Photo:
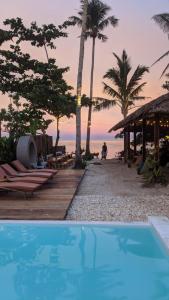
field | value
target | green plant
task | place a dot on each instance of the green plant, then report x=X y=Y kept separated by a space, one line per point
x=125 y=87
x=88 y=156
x=163 y=21
x=154 y=173
x=7 y=150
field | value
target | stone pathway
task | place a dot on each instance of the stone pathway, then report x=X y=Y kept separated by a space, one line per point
x=112 y=192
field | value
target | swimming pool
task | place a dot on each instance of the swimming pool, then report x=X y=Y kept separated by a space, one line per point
x=82 y=262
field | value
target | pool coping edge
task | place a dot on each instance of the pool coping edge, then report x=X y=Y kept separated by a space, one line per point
x=161 y=226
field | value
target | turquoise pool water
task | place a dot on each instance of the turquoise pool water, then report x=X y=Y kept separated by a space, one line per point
x=75 y=262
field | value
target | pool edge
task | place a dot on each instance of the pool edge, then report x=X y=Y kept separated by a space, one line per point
x=161 y=226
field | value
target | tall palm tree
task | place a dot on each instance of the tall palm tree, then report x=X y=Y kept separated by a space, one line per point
x=97 y=21
x=163 y=21
x=127 y=89
x=78 y=161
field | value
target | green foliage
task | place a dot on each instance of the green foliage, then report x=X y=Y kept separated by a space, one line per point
x=127 y=89
x=163 y=21
x=96 y=19
x=7 y=150
x=23 y=119
x=88 y=156
x=38 y=36
x=41 y=85
x=153 y=173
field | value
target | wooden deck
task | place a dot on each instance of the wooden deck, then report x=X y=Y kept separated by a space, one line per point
x=49 y=203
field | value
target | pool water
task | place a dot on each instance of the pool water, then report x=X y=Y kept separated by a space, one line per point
x=82 y=262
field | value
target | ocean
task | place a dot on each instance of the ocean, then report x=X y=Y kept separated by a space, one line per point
x=114 y=146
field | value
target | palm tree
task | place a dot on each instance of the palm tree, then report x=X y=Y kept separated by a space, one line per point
x=97 y=21
x=163 y=21
x=127 y=89
x=78 y=161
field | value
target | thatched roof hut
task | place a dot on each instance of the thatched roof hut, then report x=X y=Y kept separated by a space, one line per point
x=158 y=106
x=152 y=117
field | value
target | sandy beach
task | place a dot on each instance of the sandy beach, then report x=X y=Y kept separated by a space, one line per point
x=110 y=191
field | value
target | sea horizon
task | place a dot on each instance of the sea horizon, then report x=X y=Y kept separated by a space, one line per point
x=114 y=146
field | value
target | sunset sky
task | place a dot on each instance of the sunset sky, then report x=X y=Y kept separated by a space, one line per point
x=137 y=33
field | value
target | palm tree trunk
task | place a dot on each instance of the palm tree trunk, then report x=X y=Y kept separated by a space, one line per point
x=91 y=97
x=58 y=133
x=47 y=56
x=78 y=160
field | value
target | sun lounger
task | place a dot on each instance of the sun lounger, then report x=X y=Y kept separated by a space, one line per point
x=32 y=179
x=24 y=187
x=12 y=172
x=21 y=168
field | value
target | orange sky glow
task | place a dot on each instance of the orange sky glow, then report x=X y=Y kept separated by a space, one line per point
x=137 y=33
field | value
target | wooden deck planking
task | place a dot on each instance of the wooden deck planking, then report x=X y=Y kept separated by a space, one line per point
x=51 y=202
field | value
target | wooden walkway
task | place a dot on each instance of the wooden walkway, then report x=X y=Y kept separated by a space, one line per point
x=49 y=203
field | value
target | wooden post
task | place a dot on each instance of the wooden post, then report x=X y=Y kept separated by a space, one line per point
x=128 y=148
x=135 y=141
x=144 y=139
x=128 y=144
x=156 y=136
x=125 y=148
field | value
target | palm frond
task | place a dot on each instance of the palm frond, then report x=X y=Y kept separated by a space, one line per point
x=102 y=103
x=114 y=76
x=102 y=37
x=124 y=66
x=134 y=94
x=166 y=68
x=137 y=76
x=88 y=34
x=141 y=98
x=161 y=57
x=119 y=75
x=163 y=21
x=76 y=20
x=110 y=91
x=118 y=58
x=96 y=18
x=110 y=20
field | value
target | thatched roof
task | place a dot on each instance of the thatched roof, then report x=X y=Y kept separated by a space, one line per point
x=158 y=106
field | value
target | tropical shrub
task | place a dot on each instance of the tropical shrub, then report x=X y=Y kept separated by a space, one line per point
x=7 y=150
x=154 y=173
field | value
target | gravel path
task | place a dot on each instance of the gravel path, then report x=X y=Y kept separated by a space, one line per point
x=112 y=192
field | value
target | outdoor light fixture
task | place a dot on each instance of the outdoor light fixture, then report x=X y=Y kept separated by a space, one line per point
x=79 y=100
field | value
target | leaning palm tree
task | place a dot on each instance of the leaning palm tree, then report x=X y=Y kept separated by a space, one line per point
x=127 y=89
x=163 y=21
x=97 y=21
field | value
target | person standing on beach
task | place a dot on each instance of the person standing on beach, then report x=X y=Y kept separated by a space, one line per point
x=104 y=151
